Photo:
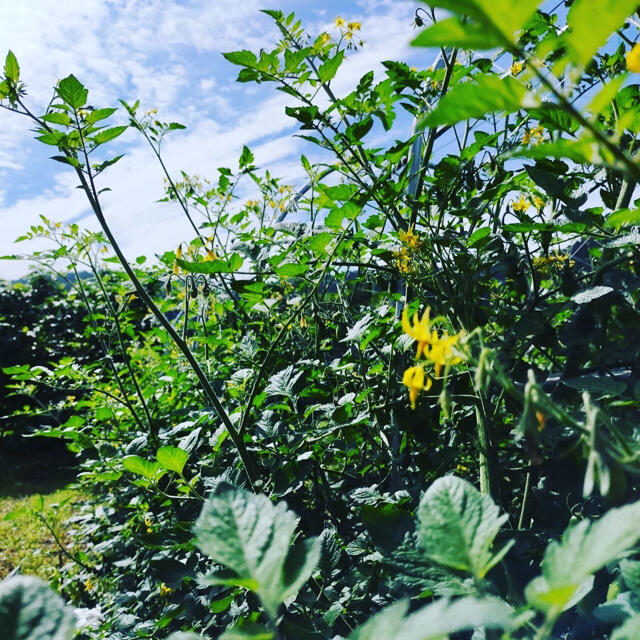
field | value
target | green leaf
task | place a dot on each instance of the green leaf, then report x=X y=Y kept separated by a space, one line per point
x=172 y=458
x=72 y=91
x=318 y=243
x=485 y=94
x=569 y=564
x=590 y=23
x=623 y=218
x=108 y=134
x=99 y=114
x=328 y=69
x=247 y=631
x=452 y=32
x=435 y=621
x=251 y=536
x=501 y=18
x=243 y=58
x=149 y=469
x=478 y=236
x=57 y=117
x=359 y=130
x=290 y=269
x=213 y=266
x=583 y=151
x=457 y=526
x=30 y=610
x=11 y=67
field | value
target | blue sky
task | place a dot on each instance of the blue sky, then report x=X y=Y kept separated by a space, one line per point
x=167 y=54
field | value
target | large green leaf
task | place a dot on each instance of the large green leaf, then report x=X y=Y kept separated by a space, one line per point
x=591 y=22
x=435 y=621
x=72 y=91
x=172 y=458
x=29 y=610
x=452 y=32
x=569 y=564
x=457 y=526
x=213 y=266
x=151 y=470
x=499 y=17
x=253 y=537
x=485 y=94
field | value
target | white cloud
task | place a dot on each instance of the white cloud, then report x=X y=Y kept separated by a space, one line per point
x=146 y=49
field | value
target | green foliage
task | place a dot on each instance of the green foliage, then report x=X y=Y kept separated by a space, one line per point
x=266 y=367
x=253 y=538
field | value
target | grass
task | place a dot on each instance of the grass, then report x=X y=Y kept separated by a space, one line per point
x=34 y=477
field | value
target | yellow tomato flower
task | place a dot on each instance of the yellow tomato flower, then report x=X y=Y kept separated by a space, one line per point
x=325 y=38
x=414 y=380
x=441 y=351
x=339 y=22
x=410 y=239
x=179 y=252
x=521 y=205
x=354 y=26
x=419 y=330
x=516 y=68
x=176 y=269
x=633 y=59
x=88 y=585
x=164 y=590
x=538 y=202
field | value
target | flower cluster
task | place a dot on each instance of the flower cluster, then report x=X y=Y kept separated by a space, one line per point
x=535 y=134
x=438 y=349
x=556 y=262
x=411 y=243
x=520 y=205
x=347 y=29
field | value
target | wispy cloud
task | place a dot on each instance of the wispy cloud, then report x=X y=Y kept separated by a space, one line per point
x=162 y=53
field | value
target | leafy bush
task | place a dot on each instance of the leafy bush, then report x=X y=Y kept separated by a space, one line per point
x=270 y=362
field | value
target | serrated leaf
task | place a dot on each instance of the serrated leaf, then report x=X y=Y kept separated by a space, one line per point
x=11 y=67
x=253 y=537
x=290 y=269
x=435 y=621
x=318 y=243
x=30 y=610
x=590 y=23
x=585 y=548
x=243 y=58
x=172 y=458
x=283 y=382
x=485 y=94
x=457 y=526
x=72 y=91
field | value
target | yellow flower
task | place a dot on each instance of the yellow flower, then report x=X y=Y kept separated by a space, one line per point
x=348 y=35
x=88 y=585
x=516 y=68
x=354 y=26
x=70 y=398
x=410 y=239
x=526 y=138
x=419 y=330
x=210 y=256
x=521 y=205
x=325 y=38
x=537 y=132
x=538 y=202
x=339 y=22
x=460 y=468
x=414 y=379
x=179 y=252
x=176 y=269
x=633 y=59
x=148 y=522
x=441 y=351
x=164 y=590
x=541 y=420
